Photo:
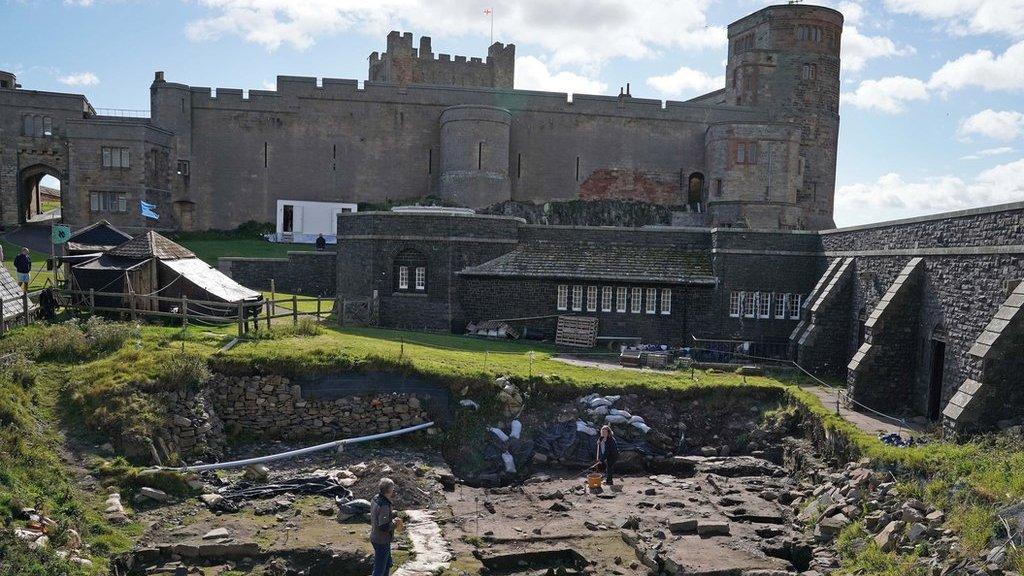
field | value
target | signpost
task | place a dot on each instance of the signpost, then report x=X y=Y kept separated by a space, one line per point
x=59 y=234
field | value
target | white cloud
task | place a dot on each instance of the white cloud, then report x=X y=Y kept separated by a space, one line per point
x=584 y=33
x=963 y=17
x=989 y=152
x=78 y=2
x=858 y=48
x=1005 y=125
x=893 y=196
x=686 y=82
x=269 y=84
x=852 y=13
x=79 y=79
x=983 y=69
x=889 y=95
x=533 y=74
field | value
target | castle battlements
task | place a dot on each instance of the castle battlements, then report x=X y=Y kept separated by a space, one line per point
x=403 y=64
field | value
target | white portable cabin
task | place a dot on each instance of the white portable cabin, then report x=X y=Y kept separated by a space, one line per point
x=301 y=221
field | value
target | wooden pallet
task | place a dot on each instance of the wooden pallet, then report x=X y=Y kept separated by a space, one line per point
x=576 y=331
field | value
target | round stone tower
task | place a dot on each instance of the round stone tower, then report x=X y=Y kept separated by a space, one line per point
x=785 y=60
x=474 y=155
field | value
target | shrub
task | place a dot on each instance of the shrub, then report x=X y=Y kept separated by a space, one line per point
x=63 y=342
x=107 y=336
x=184 y=371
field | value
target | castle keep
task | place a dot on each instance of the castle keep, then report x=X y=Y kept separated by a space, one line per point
x=759 y=153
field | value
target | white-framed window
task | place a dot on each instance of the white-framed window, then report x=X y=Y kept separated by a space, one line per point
x=620 y=299
x=666 y=301
x=764 y=304
x=750 y=304
x=108 y=202
x=116 y=157
x=591 y=298
x=606 y=299
x=809 y=72
x=421 y=278
x=781 y=305
x=403 y=277
x=577 y=298
x=735 y=304
x=794 y=306
x=635 y=300
x=563 y=297
x=183 y=168
x=652 y=301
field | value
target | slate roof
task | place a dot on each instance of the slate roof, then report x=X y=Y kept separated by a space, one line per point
x=10 y=293
x=600 y=261
x=151 y=245
x=97 y=237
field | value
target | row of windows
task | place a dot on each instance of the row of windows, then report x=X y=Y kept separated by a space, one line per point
x=419 y=278
x=763 y=305
x=624 y=298
x=746 y=152
x=809 y=72
x=37 y=126
x=108 y=202
x=743 y=44
x=116 y=157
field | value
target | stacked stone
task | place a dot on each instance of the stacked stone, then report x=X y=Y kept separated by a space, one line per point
x=192 y=427
x=272 y=407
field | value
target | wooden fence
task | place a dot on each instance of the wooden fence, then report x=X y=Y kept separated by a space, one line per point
x=26 y=316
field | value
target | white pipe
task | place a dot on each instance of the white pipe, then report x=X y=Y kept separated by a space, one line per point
x=301 y=451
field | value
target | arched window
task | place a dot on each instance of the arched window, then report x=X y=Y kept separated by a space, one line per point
x=695 y=192
x=410 y=272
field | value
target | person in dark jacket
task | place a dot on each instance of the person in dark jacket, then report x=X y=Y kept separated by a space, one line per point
x=607 y=452
x=321 y=243
x=384 y=521
x=23 y=268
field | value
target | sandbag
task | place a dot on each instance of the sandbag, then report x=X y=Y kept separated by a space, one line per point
x=499 y=434
x=517 y=429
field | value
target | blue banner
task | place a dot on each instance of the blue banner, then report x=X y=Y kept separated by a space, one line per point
x=147 y=210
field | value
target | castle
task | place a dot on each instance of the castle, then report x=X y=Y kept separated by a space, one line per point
x=758 y=153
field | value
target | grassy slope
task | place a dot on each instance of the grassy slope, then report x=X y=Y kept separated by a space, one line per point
x=984 y=472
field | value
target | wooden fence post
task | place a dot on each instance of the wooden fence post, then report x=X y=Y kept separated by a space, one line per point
x=270 y=312
x=131 y=304
x=184 y=312
x=24 y=303
x=295 y=310
x=92 y=301
x=317 y=308
x=341 y=310
x=241 y=320
x=3 y=319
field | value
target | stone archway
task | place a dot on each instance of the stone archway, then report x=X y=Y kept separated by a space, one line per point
x=30 y=193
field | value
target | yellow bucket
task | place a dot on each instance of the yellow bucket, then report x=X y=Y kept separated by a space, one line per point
x=594 y=480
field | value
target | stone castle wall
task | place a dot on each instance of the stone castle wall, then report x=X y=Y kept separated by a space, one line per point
x=303 y=273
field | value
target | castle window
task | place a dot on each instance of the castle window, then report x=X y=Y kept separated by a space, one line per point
x=480 y=156
x=108 y=202
x=27 y=126
x=735 y=304
x=406 y=261
x=637 y=297
x=183 y=168
x=718 y=186
x=666 y=301
x=794 y=306
x=563 y=297
x=47 y=126
x=606 y=299
x=750 y=304
x=591 y=298
x=577 y=168
x=577 y=298
x=764 y=304
x=430 y=161
x=746 y=152
x=810 y=72
x=808 y=33
x=620 y=299
x=116 y=157
x=781 y=305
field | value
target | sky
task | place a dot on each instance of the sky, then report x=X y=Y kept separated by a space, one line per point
x=932 y=95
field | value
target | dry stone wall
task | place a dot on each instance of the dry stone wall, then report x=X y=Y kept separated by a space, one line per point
x=273 y=407
x=192 y=428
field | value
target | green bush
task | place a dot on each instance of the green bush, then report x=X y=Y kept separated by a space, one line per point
x=65 y=342
x=106 y=336
x=183 y=371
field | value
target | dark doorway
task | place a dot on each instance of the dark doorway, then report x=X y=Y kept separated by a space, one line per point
x=40 y=195
x=935 y=379
x=695 y=192
x=862 y=321
x=288 y=220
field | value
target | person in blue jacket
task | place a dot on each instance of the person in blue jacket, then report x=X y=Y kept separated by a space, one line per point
x=23 y=268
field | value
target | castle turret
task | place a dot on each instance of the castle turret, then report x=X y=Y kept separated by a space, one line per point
x=8 y=80
x=785 y=60
x=474 y=155
x=402 y=64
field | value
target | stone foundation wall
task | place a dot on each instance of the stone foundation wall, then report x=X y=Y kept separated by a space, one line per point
x=192 y=428
x=273 y=407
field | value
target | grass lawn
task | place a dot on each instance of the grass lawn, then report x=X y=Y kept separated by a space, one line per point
x=209 y=250
x=39 y=273
x=304 y=303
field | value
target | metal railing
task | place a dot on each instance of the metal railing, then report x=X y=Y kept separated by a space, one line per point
x=122 y=112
